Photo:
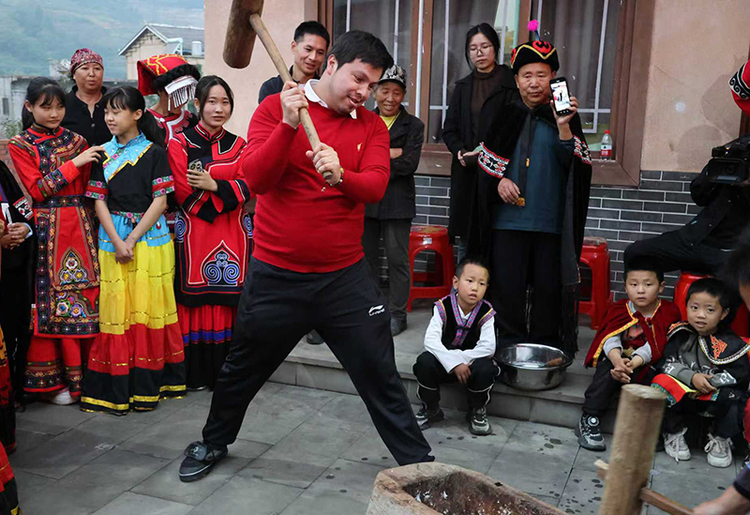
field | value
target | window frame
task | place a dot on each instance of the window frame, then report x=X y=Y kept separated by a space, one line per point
x=627 y=119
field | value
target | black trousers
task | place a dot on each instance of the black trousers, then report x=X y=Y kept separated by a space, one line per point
x=276 y=309
x=431 y=374
x=673 y=252
x=522 y=262
x=16 y=290
x=603 y=388
x=727 y=413
x=396 y=241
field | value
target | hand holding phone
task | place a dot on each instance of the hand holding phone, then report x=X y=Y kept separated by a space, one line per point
x=561 y=96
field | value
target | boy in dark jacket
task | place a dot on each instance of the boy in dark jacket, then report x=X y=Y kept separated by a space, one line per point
x=705 y=370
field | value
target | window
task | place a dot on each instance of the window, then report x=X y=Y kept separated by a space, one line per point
x=6 y=106
x=602 y=51
x=585 y=34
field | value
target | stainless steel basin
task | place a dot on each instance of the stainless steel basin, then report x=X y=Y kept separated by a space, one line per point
x=532 y=366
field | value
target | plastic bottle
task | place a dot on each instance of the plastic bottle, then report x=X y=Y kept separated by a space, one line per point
x=605 y=150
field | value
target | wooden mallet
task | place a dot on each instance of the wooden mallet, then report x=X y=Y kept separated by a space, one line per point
x=244 y=24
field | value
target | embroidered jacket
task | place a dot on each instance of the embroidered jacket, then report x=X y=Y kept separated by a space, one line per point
x=67 y=268
x=622 y=316
x=212 y=229
x=688 y=353
x=131 y=176
x=456 y=338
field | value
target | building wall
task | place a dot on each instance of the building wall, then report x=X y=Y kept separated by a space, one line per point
x=146 y=46
x=696 y=47
x=281 y=18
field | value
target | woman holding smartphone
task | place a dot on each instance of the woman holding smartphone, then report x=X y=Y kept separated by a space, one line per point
x=463 y=127
x=212 y=231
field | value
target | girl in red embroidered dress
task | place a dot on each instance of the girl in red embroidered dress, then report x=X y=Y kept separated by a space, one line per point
x=53 y=164
x=212 y=232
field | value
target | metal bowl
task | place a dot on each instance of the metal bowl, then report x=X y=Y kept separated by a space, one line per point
x=532 y=366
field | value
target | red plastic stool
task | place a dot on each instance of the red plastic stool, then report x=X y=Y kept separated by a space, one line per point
x=595 y=255
x=741 y=322
x=431 y=237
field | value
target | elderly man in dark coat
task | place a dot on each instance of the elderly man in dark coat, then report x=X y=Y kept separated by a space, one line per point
x=391 y=217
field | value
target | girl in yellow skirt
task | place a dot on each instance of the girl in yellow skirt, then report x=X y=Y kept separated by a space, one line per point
x=137 y=358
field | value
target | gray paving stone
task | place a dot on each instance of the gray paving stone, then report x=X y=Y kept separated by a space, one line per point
x=30 y=484
x=344 y=408
x=129 y=503
x=689 y=488
x=585 y=458
x=165 y=408
x=371 y=449
x=454 y=432
x=113 y=428
x=582 y=493
x=92 y=486
x=166 y=484
x=533 y=475
x=164 y=439
x=697 y=466
x=344 y=488
x=314 y=440
x=237 y=497
x=298 y=473
x=541 y=442
x=271 y=417
x=64 y=416
x=63 y=454
x=27 y=440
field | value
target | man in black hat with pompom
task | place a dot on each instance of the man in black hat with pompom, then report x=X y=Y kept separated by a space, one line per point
x=531 y=204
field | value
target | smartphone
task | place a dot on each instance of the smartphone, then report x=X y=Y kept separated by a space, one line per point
x=561 y=95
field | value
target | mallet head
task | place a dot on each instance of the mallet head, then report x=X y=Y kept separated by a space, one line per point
x=238 y=45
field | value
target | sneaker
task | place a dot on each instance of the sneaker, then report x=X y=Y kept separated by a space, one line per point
x=199 y=460
x=589 y=433
x=478 y=422
x=719 y=451
x=397 y=326
x=426 y=417
x=314 y=338
x=676 y=447
x=60 y=397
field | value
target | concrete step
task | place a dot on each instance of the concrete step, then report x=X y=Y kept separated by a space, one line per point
x=314 y=366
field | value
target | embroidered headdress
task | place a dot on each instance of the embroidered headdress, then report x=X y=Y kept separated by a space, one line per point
x=534 y=52
x=170 y=73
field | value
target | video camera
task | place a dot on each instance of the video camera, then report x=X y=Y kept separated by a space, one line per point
x=730 y=163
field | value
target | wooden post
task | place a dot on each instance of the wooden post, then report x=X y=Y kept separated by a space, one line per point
x=639 y=415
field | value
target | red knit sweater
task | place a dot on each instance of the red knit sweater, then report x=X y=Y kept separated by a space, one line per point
x=297 y=226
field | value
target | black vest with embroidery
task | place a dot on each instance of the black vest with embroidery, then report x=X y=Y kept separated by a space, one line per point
x=457 y=333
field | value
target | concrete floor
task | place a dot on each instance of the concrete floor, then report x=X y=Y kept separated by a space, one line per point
x=307 y=451
x=301 y=451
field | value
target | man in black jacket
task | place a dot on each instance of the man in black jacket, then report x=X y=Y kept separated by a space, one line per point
x=311 y=40
x=704 y=244
x=392 y=216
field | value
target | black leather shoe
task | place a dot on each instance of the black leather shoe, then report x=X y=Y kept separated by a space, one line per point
x=397 y=326
x=313 y=338
x=199 y=460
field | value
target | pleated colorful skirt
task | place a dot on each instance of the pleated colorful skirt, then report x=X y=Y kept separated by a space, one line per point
x=206 y=335
x=137 y=359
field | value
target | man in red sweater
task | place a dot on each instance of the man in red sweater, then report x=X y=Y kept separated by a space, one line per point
x=308 y=269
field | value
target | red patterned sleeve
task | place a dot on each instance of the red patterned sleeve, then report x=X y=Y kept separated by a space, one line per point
x=39 y=186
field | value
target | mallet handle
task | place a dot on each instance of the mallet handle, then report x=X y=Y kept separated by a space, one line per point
x=304 y=116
